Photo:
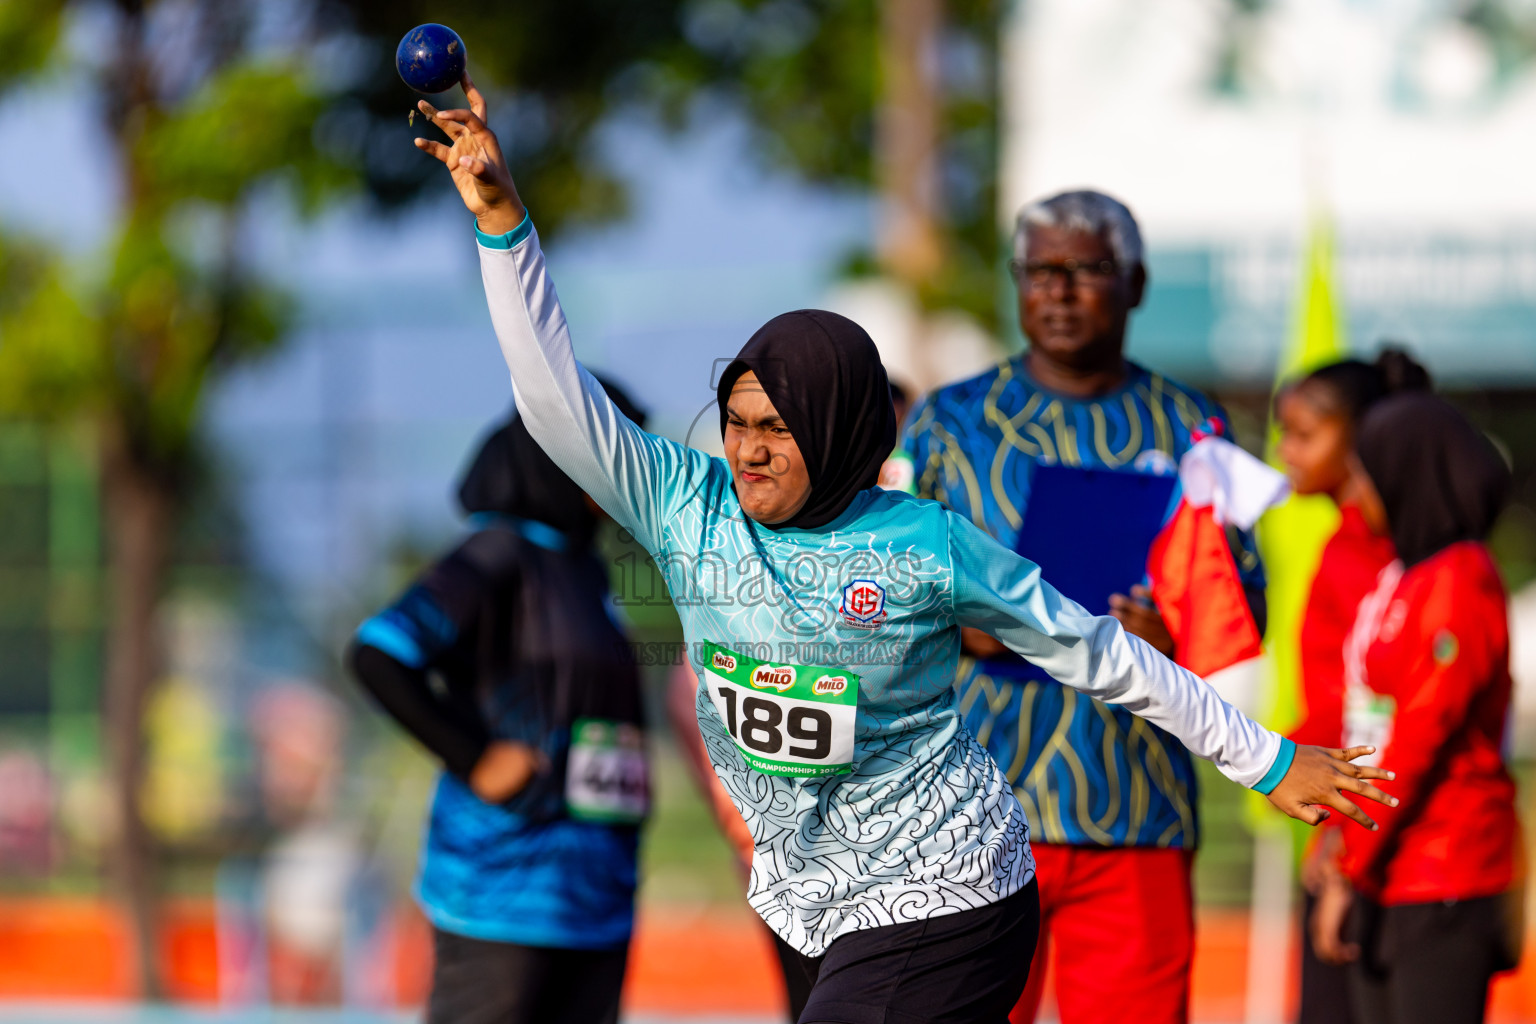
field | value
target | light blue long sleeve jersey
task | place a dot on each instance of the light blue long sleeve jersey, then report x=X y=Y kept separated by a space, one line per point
x=827 y=656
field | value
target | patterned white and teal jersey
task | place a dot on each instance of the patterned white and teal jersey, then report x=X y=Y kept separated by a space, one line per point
x=827 y=656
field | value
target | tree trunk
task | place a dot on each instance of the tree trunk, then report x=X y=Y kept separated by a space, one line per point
x=907 y=139
x=140 y=510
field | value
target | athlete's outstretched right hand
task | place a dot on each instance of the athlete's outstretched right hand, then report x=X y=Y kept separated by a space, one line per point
x=475 y=160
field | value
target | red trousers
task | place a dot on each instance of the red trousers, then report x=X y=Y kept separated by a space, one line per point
x=1122 y=925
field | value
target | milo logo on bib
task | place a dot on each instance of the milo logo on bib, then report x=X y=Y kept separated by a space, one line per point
x=780 y=677
x=829 y=685
x=792 y=720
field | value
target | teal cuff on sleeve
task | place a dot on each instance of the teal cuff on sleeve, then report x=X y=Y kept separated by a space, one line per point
x=508 y=240
x=1277 y=770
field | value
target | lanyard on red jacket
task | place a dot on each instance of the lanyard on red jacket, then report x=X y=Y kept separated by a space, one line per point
x=1368 y=714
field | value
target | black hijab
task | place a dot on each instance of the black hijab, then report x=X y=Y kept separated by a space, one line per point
x=512 y=475
x=823 y=374
x=1440 y=479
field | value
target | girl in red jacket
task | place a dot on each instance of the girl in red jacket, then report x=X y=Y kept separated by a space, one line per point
x=1318 y=416
x=1427 y=682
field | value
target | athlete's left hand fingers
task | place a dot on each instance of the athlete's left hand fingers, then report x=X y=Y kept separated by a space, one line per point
x=1312 y=814
x=1350 y=810
x=1368 y=791
x=1364 y=771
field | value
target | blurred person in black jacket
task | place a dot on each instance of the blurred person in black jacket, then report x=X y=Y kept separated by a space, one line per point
x=503 y=659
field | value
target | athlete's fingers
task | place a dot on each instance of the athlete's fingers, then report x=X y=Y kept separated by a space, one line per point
x=437 y=117
x=476 y=100
x=1369 y=791
x=1312 y=814
x=483 y=137
x=437 y=149
x=1365 y=771
x=466 y=118
x=477 y=168
x=1350 y=753
x=1350 y=811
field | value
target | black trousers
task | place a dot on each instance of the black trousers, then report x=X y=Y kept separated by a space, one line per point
x=1325 y=995
x=1428 y=963
x=965 y=968
x=479 y=982
x=797 y=981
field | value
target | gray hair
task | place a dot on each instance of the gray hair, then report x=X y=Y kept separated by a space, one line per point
x=1084 y=210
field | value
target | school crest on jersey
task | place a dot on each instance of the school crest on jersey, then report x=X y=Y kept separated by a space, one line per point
x=863 y=604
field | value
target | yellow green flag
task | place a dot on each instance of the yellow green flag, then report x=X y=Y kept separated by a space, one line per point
x=1292 y=535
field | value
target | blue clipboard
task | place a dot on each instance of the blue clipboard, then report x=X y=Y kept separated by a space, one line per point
x=1089 y=531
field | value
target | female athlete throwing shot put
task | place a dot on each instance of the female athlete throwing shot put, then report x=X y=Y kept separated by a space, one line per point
x=823 y=616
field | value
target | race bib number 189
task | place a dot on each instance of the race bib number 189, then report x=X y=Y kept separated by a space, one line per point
x=792 y=720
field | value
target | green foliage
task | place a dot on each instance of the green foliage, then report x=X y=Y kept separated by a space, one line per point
x=318 y=108
x=140 y=348
x=807 y=74
x=51 y=359
x=137 y=343
x=29 y=30
x=552 y=73
x=249 y=122
x=166 y=324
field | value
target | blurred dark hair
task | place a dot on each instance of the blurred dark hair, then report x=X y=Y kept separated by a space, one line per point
x=512 y=475
x=1351 y=386
x=1441 y=480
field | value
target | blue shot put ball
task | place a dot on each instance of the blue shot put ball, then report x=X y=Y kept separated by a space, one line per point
x=431 y=58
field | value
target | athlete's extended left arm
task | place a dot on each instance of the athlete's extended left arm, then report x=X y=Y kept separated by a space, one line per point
x=998 y=591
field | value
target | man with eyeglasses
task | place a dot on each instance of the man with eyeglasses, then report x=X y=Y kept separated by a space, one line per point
x=1110 y=798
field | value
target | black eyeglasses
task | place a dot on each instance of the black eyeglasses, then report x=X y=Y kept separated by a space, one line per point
x=1041 y=275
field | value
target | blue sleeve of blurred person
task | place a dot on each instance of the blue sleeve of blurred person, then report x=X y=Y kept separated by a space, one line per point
x=414 y=630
